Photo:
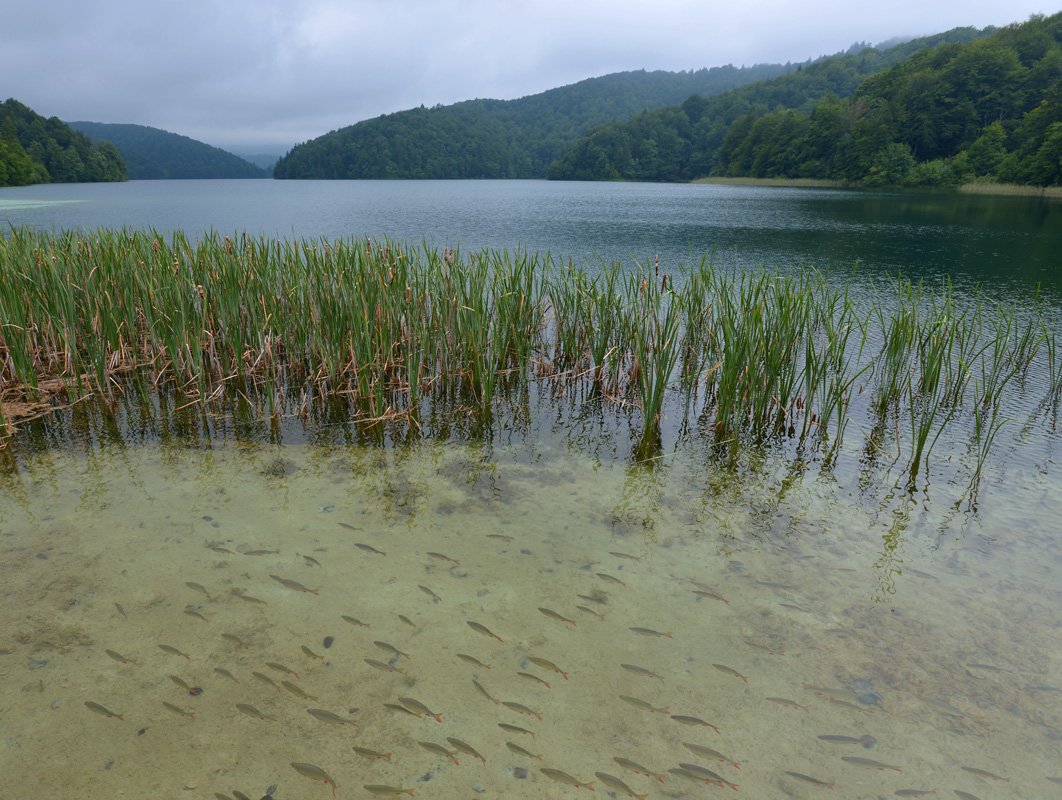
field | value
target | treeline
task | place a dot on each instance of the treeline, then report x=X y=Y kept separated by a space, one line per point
x=971 y=105
x=501 y=138
x=152 y=153
x=38 y=150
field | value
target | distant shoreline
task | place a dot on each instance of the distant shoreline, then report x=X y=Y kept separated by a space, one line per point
x=1013 y=189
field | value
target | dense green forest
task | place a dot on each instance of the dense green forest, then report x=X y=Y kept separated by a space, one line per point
x=152 y=153
x=500 y=138
x=38 y=150
x=971 y=105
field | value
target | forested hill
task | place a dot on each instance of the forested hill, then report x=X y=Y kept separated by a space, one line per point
x=501 y=138
x=34 y=149
x=152 y=153
x=966 y=104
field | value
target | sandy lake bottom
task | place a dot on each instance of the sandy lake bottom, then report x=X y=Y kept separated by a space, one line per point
x=773 y=621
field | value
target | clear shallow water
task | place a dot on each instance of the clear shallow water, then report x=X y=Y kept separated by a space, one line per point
x=942 y=643
x=1008 y=243
x=921 y=619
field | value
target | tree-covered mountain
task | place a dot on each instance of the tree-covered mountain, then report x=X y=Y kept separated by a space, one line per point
x=152 y=153
x=931 y=111
x=500 y=138
x=34 y=149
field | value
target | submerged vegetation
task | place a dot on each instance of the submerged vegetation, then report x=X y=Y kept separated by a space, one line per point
x=396 y=333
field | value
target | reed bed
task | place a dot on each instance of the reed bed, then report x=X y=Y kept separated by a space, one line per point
x=395 y=331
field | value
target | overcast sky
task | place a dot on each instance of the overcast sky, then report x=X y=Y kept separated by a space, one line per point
x=271 y=73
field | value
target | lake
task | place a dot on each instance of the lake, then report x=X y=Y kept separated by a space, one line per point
x=199 y=599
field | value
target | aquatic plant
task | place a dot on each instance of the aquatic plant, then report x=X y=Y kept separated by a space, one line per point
x=383 y=332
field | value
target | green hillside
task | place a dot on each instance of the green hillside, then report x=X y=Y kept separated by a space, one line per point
x=152 y=153
x=500 y=138
x=933 y=111
x=34 y=149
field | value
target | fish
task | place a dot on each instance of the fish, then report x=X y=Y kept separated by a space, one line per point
x=838 y=739
x=295 y=586
x=687 y=720
x=808 y=779
x=830 y=694
x=217 y=548
x=522 y=709
x=173 y=651
x=91 y=706
x=642 y=671
x=398 y=708
x=637 y=768
x=515 y=748
x=988 y=667
x=500 y=536
x=545 y=664
x=597 y=596
x=859 y=761
x=707 y=775
x=634 y=701
x=407 y=620
x=314 y=773
x=357 y=623
x=466 y=748
x=485 y=693
x=591 y=611
x=372 y=662
x=119 y=657
x=618 y=786
x=248 y=598
x=419 y=708
x=280 y=668
x=782 y=701
x=260 y=552
x=180 y=682
x=265 y=679
x=708 y=752
x=121 y=610
x=373 y=754
x=564 y=777
x=711 y=594
x=610 y=579
x=251 y=711
x=685 y=773
x=965 y=795
x=179 y=710
x=368 y=548
x=308 y=652
x=914 y=792
x=535 y=678
x=763 y=647
x=505 y=726
x=348 y=526
x=438 y=749
x=330 y=718
x=193 y=613
x=311 y=561
x=225 y=673
x=846 y=704
x=980 y=773
x=473 y=660
x=444 y=557
x=297 y=691
x=198 y=587
x=234 y=639
x=549 y=612
x=386 y=791
x=730 y=671
x=650 y=632
x=434 y=597
x=390 y=648
x=484 y=630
